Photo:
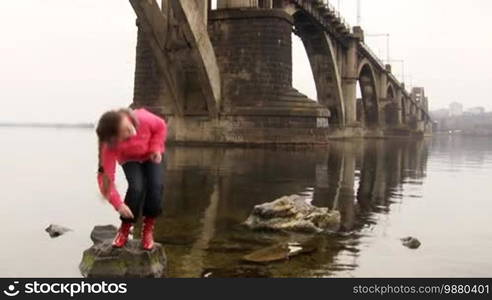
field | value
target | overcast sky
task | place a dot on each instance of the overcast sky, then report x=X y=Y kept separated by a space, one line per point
x=69 y=60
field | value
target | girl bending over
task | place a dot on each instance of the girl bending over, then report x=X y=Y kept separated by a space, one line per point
x=136 y=140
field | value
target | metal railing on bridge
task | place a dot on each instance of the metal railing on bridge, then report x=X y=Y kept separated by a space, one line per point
x=322 y=9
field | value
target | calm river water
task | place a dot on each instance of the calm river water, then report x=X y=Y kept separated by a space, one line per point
x=437 y=190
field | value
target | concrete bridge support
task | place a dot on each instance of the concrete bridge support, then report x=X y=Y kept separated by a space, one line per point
x=384 y=101
x=350 y=79
x=399 y=107
x=254 y=54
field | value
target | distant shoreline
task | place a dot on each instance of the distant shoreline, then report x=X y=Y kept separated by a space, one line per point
x=48 y=125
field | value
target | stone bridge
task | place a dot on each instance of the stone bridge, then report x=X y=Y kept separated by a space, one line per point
x=225 y=75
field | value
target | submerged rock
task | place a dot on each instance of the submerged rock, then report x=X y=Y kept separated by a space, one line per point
x=292 y=213
x=256 y=271
x=411 y=242
x=102 y=260
x=278 y=252
x=56 y=230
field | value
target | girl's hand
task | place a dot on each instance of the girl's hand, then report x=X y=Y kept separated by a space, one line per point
x=125 y=212
x=156 y=158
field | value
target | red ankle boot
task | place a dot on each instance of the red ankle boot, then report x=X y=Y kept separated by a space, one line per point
x=148 y=234
x=122 y=235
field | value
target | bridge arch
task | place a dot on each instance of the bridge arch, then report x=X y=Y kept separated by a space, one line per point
x=322 y=58
x=390 y=92
x=368 y=105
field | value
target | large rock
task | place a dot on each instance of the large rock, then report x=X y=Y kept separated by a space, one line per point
x=102 y=260
x=293 y=213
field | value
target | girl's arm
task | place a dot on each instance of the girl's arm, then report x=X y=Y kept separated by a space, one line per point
x=158 y=127
x=106 y=177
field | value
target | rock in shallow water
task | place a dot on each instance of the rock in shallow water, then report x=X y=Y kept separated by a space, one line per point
x=102 y=260
x=293 y=213
x=411 y=242
x=256 y=271
x=56 y=230
x=281 y=251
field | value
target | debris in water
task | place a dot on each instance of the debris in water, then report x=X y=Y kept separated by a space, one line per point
x=56 y=230
x=278 y=252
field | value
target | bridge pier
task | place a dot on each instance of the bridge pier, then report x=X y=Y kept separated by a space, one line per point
x=384 y=101
x=399 y=103
x=350 y=83
x=350 y=101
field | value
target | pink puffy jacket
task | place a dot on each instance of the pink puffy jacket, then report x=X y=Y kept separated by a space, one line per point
x=150 y=138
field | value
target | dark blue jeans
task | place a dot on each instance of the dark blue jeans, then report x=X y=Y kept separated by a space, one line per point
x=145 y=188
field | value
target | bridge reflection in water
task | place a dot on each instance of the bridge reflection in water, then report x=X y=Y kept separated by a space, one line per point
x=210 y=191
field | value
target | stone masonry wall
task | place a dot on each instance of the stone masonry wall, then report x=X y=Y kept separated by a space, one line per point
x=149 y=89
x=254 y=52
x=147 y=86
